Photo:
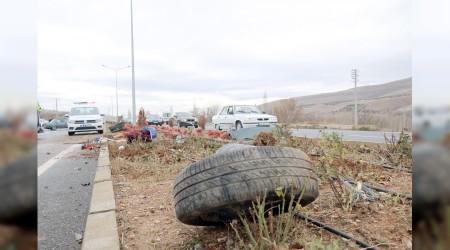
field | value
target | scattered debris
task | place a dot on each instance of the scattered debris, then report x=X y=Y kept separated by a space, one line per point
x=78 y=237
x=96 y=143
x=179 y=139
x=117 y=127
x=146 y=134
x=87 y=147
x=221 y=240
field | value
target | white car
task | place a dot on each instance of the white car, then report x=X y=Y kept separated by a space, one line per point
x=84 y=117
x=242 y=116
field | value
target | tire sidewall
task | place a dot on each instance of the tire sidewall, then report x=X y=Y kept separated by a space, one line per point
x=201 y=206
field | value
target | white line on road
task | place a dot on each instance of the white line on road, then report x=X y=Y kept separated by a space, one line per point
x=52 y=161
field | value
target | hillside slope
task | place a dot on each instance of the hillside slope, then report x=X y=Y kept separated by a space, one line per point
x=384 y=100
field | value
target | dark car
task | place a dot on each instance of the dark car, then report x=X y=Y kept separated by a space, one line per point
x=185 y=119
x=154 y=120
x=56 y=123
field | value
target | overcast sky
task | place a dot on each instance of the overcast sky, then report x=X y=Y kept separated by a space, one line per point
x=216 y=52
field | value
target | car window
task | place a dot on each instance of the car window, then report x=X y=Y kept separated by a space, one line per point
x=224 y=111
x=247 y=109
x=230 y=110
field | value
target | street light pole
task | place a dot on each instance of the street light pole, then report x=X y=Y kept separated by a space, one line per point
x=133 y=115
x=117 y=96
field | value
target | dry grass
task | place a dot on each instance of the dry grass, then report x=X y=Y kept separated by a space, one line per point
x=143 y=174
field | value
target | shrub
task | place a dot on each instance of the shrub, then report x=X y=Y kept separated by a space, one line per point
x=142 y=121
x=202 y=121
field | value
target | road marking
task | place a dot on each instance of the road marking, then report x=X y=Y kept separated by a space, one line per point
x=44 y=167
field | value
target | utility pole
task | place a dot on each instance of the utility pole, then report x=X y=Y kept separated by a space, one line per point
x=133 y=95
x=56 y=107
x=117 y=95
x=355 y=75
x=112 y=107
x=265 y=101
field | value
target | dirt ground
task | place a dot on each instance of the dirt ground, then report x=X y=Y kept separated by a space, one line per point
x=143 y=176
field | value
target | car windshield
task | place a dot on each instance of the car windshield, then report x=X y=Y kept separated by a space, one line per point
x=247 y=109
x=184 y=114
x=84 y=111
x=152 y=117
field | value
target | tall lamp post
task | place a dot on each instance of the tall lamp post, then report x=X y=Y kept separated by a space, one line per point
x=133 y=115
x=117 y=96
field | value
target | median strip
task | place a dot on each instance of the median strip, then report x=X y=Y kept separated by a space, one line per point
x=101 y=226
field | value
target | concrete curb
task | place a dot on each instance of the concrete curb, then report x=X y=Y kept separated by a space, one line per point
x=101 y=226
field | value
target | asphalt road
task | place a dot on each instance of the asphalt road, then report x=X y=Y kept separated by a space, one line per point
x=65 y=180
x=348 y=135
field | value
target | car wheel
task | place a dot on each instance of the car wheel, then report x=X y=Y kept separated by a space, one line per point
x=209 y=191
x=100 y=131
x=217 y=127
x=238 y=125
x=71 y=133
x=53 y=128
x=18 y=189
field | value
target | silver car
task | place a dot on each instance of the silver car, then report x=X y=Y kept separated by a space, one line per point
x=242 y=116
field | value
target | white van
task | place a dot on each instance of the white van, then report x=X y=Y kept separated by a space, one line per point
x=84 y=117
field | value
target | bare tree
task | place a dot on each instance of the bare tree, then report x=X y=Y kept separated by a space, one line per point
x=365 y=116
x=142 y=121
x=195 y=110
x=211 y=111
x=287 y=111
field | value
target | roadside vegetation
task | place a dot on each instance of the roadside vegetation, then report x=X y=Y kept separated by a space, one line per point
x=143 y=175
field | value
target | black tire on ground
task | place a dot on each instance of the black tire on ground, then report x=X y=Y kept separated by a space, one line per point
x=100 y=131
x=18 y=185
x=209 y=191
x=431 y=190
x=53 y=128
x=71 y=133
x=238 y=125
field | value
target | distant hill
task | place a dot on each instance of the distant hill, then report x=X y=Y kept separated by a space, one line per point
x=392 y=98
x=51 y=114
